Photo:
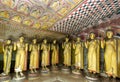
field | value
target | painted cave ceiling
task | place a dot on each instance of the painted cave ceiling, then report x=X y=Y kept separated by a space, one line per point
x=53 y=18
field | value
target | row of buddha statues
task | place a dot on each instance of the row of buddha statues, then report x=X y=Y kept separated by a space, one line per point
x=93 y=45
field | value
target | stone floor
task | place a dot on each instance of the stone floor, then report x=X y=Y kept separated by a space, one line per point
x=59 y=77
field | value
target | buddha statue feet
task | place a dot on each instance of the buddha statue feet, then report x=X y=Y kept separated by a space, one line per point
x=31 y=71
x=47 y=69
x=35 y=71
x=21 y=74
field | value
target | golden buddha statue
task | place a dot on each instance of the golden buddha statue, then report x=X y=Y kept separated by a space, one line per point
x=34 y=56
x=7 y=49
x=110 y=54
x=55 y=53
x=93 y=54
x=45 y=47
x=78 y=46
x=67 y=52
x=118 y=65
x=21 y=56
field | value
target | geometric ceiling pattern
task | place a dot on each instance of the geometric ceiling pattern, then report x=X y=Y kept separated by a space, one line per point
x=41 y=14
x=87 y=14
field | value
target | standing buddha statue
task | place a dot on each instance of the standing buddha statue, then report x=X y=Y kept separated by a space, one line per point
x=45 y=47
x=93 y=54
x=110 y=54
x=67 y=52
x=21 y=56
x=7 y=49
x=55 y=53
x=34 y=56
x=78 y=46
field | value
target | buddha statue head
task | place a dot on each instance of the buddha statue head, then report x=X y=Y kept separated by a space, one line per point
x=109 y=34
x=8 y=41
x=54 y=41
x=92 y=35
x=21 y=39
x=34 y=41
x=78 y=39
x=66 y=39
x=45 y=41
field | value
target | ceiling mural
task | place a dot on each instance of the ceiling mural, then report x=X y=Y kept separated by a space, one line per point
x=36 y=13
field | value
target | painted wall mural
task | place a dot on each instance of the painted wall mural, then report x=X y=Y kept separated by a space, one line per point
x=37 y=13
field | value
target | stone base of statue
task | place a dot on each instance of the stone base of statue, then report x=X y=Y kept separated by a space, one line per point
x=54 y=69
x=103 y=75
x=33 y=75
x=65 y=69
x=91 y=76
x=76 y=71
x=19 y=77
x=3 y=77
x=45 y=71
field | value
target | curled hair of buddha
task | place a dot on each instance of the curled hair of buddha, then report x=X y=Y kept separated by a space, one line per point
x=92 y=33
x=109 y=29
x=9 y=39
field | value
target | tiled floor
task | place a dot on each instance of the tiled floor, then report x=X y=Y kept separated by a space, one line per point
x=61 y=77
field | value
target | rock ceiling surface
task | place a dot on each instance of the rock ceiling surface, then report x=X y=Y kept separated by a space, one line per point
x=59 y=16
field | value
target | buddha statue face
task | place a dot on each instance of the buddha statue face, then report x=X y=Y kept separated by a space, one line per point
x=34 y=41
x=8 y=41
x=54 y=41
x=21 y=39
x=45 y=41
x=92 y=35
x=66 y=39
x=109 y=34
x=78 y=39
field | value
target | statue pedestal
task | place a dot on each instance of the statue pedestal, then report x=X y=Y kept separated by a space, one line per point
x=103 y=75
x=54 y=69
x=91 y=76
x=4 y=77
x=66 y=70
x=45 y=71
x=76 y=71
x=32 y=76
x=18 y=78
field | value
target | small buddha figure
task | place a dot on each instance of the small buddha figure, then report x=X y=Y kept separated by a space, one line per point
x=34 y=56
x=93 y=54
x=78 y=46
x=9 y=3
x=23 y=8
x=45 y=47
x=55 y=53
x=7 y=49
x=110 y=54
x=21 y=56
x=67 y=52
